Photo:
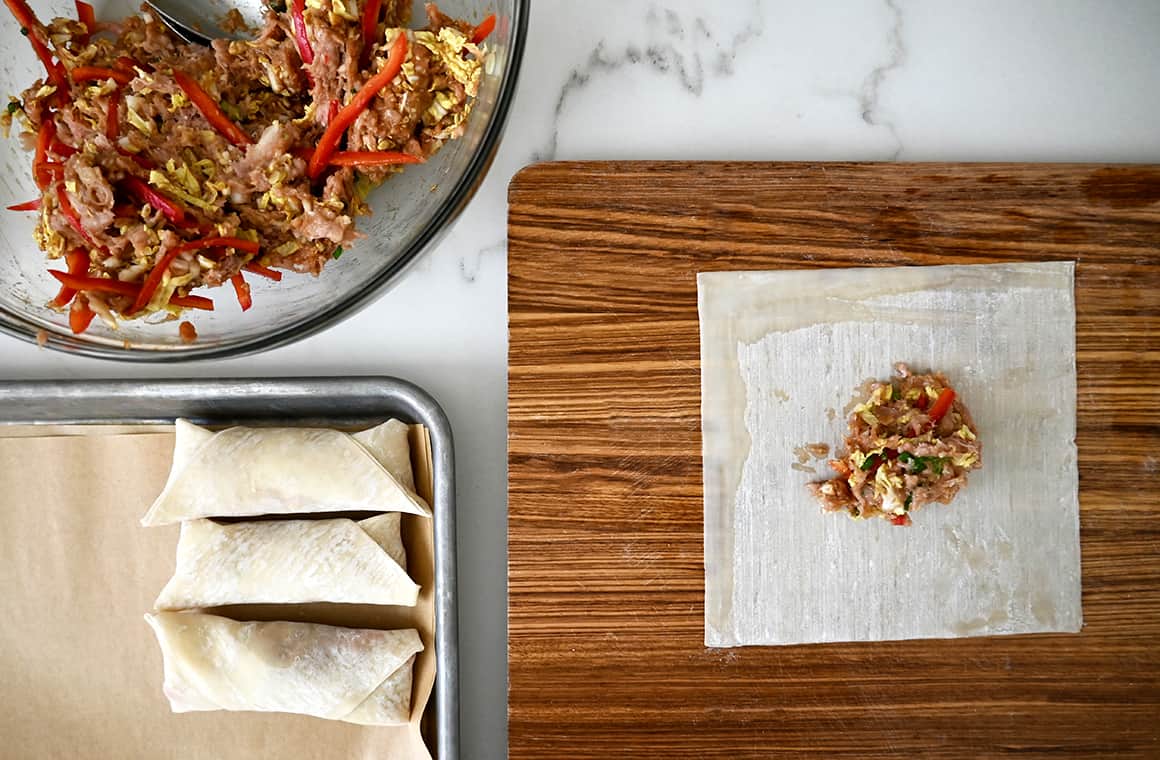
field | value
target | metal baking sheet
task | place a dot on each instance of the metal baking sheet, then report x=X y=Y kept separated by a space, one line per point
x=331 y=402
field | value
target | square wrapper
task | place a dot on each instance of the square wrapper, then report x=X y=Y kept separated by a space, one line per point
x=782 y=354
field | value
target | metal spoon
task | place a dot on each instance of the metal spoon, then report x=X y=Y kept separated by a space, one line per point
x=198 y=21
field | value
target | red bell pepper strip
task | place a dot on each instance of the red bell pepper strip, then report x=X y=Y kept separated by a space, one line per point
x=942 y=405
x=80 y=316
x=128 y=65
x=96 y=284
x=24 y=14
x=70 y=213
x=351 y=111
x=900 y=520
x=33 y=205
x=187 y=332
x=370 y=28
x=99 y=74
x=298 y=21
x=486 y=27
x=31 y=27
x=258 y=269
x=922 y=402
x=44 y=139
x=48 y=172
x=78 y=265
x=142 y=190
x=192 y=302
x=246 y=246
x=373 y=158
x=55 y=70
x=87 y=16
x=210 y=110
x=153 y=281
x=59 y=148
x=242 y=288
x=301 y=41
x=138 y=159
x=105 y=285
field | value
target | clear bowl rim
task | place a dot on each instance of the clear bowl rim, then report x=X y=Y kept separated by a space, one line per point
x=429 y=236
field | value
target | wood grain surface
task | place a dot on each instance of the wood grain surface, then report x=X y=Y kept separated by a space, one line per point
x=605 y=503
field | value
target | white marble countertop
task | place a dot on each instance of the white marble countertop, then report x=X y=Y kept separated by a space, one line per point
x=1038 y=80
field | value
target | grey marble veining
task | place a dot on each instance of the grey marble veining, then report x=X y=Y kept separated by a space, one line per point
x=680 y=48
x=868 y=98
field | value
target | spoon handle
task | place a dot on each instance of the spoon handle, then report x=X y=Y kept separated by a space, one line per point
x=181 y=30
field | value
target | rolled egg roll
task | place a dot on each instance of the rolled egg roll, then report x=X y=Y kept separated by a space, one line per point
x=290 y=561
x=244 y=471
x=350 y=674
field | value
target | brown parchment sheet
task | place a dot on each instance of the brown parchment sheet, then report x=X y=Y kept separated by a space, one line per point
x=80 y=670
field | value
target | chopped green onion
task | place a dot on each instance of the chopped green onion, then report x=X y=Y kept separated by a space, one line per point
x=915 y=463
x=338 y=253
x=232 y=111
x=906 y=504
x=919 y=464
x=869 y=462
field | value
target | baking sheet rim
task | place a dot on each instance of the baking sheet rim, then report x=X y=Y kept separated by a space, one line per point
x=151 y=402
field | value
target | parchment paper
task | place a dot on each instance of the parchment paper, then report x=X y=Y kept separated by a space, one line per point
x=781 y=356
x=80 y=669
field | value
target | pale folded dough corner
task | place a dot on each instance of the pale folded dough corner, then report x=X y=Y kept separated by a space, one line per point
x=290 y=561
x=244 y=471
x=350 y=674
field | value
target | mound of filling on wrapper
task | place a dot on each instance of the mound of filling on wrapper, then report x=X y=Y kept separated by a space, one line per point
x=911 y=443
x=164 y=167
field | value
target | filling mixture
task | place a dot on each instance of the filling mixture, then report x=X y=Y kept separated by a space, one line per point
x=164 y=166
x=911 y=443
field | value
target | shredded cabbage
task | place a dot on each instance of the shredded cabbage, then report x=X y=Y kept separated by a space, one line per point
x=335 y=9
x=965 y=460
x=448 y=47
x=145 y=126
x=169 y=285
x=178 y=100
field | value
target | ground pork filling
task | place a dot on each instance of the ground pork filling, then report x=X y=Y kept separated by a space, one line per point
x=911 y=443
x=136 y=173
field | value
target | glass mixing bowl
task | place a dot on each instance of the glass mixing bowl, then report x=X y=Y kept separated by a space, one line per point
x=411 y=212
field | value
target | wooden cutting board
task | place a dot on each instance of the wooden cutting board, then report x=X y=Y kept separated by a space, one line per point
x=605 y=514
